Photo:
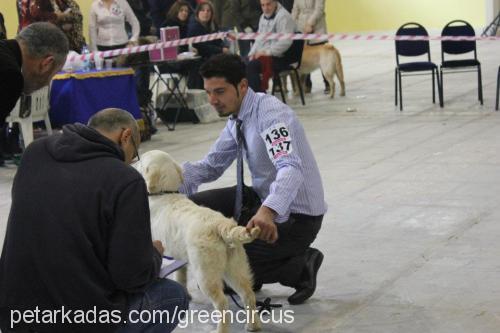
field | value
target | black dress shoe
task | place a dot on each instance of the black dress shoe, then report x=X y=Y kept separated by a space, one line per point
x=307 y=285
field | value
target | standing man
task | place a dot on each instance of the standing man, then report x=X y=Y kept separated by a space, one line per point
x=28 y=63
x=286 y=200
x=79 y=236
x=266 y=55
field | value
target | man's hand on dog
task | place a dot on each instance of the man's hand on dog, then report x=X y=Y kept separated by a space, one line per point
x=264 y=219
x=158 y=246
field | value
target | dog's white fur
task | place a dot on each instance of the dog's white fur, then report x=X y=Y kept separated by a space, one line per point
x=211 y=243
x=327 y=58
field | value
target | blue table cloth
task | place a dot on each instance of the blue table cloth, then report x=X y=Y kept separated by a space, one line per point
x=76 y=96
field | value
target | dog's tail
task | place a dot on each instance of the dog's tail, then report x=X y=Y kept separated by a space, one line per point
x=232 y=234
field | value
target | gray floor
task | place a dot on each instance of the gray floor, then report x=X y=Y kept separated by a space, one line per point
x=410 y=239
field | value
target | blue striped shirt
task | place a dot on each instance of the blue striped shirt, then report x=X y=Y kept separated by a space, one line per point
x=282 y=166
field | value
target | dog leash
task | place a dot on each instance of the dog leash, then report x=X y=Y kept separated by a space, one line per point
x=262 y=307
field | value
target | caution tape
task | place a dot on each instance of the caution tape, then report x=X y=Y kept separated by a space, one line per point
x=273 y=36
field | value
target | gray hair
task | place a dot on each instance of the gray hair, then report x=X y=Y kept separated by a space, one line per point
x=113 y=119
x=42 y=39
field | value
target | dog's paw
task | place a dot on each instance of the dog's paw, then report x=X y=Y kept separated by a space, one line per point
x=253 y=327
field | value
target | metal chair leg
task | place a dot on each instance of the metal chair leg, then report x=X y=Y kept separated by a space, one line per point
x=480 y=84
x=442 y=87
x=396 y=86
x=434 y=86
x=498 y=88
x=400 y=92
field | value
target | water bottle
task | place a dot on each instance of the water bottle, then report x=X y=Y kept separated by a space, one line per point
x=86 y=62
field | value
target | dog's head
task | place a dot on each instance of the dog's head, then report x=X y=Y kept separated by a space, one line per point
x=160 y=171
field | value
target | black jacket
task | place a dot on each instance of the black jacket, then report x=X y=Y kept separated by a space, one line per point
x=182 y=30
x=78 y=233
x=206 y=49
x=11 y=78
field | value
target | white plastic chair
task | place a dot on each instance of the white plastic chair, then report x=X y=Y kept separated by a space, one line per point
x=39 y=111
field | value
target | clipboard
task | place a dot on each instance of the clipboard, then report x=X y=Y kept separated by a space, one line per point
x=170 y=265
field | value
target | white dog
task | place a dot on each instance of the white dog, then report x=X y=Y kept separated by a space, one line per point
x=211 y=243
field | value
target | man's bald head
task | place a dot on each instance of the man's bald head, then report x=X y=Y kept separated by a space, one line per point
x=112 y=120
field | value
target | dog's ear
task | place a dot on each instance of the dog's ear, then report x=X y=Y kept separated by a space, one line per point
x=152 y=177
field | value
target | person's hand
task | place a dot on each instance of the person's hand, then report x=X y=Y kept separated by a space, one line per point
x=158 y=246
x=308 y=29
x=264 y=219
x=225 y=50
x=62 y=16
x=132 y=43
x=256 y=56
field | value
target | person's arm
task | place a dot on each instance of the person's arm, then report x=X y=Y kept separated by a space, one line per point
x=220 y=157
x=319 y=11
x=133 y=262
x=258 y=43
x=11 y=86
x=93 y=29
x=295 y=12
x=284 y=24
x=205 y=49
x=133 y=21
x=277 y=133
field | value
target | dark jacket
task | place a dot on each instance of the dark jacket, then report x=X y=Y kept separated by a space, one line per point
x=159 y=10
x=169 y=22
x=205 y=49
x=78 y=233
x=11 y=82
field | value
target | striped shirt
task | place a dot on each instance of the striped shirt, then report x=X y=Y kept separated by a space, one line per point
x=282 y=166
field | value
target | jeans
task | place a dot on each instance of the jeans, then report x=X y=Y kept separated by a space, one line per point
x=164 y=295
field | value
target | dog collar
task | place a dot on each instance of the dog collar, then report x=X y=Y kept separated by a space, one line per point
x=162 y=192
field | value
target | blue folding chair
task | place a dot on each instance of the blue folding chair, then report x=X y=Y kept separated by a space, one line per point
x=449 y=47
x=418 y=48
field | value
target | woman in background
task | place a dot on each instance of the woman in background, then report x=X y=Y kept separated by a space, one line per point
x=70 y=24
x=178 y=16
x=203 y=23
x=310 y=18
x=107 y=25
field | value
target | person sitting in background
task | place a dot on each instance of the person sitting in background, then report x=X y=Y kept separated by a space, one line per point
x=310 y=18
x=203 y=22
x=178 y=16
x=70 y=24
x=31 y=11
x=158 y=8
x=107 y=25
x=266 y=55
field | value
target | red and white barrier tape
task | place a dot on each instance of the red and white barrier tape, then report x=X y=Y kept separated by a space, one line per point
x=274 y=36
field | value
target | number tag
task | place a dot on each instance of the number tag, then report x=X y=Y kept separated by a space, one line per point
x=278 y=141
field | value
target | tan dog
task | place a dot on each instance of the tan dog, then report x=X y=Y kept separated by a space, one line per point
x=327 y=58
x=211 y=243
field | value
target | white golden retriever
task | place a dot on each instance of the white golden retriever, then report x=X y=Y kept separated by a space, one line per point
x=211 y=243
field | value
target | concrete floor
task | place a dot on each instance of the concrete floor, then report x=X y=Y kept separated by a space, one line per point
x=411 y=236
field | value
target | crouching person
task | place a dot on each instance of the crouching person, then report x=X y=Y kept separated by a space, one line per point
x=78 y=254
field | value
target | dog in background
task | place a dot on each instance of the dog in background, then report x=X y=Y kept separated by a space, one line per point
x=326 y=57
x=211 y=243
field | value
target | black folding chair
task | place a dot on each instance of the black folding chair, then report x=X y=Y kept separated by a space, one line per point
x=290 y=62
x=460 y=28
x=498 y=88
x=406 y=48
